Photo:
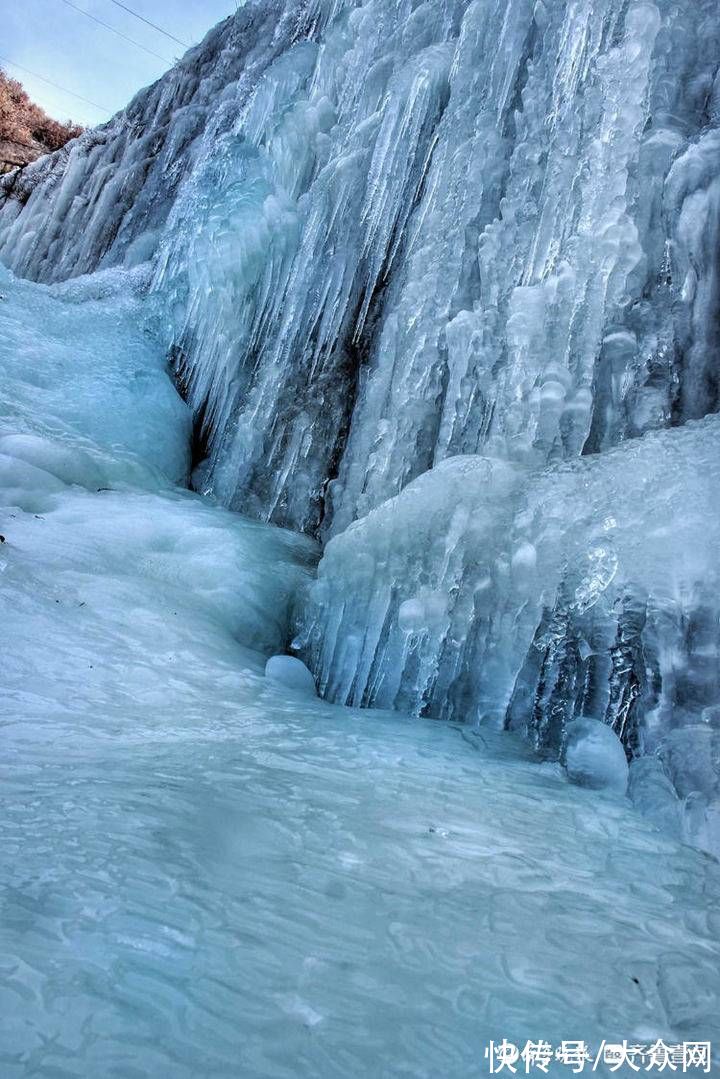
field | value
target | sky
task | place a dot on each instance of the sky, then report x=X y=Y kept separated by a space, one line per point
x=64 y=46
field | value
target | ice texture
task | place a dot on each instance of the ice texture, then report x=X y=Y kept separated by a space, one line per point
x=93 y=440
x=206 y=874
x=440 y=280
x=496 y=594
x=389 y=233
x=80 y=371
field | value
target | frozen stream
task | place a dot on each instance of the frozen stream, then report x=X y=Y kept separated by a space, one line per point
x=204 y=876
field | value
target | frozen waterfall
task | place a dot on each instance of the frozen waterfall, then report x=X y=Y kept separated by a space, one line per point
x=390 y=233
x=385 y=334
x=440 y=282
x=203 y=872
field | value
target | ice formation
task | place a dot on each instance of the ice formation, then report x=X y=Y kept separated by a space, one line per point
x=493 y=593
x=291 y=672
x=401 y=231
x=440 y=283
x=594 y=756
x=93 y=440
x=204 y=872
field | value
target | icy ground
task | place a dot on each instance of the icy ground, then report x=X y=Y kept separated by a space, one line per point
x=204 y=875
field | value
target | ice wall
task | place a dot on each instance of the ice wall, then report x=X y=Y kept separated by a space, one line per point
x=204 y=873
x=497 y=594
x=391 y=233
x=466 y=228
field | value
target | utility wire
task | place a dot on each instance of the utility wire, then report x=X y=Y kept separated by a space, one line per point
x=118 y=32
x=55 y=84
x=148 y=23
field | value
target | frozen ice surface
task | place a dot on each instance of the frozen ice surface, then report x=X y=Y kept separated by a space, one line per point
x=519 y=598
x=208 y=879
x=92 y=434
x=204 y=875
x=291 y=672
x=594 y=756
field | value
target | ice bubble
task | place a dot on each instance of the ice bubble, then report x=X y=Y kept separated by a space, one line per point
x=291 y=672
x=594 y=756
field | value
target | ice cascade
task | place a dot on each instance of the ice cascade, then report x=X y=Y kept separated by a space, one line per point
x=440 y=283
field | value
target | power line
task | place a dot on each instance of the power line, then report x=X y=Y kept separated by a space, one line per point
x=55 y=84
x=118 y=32
x=148 y=23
